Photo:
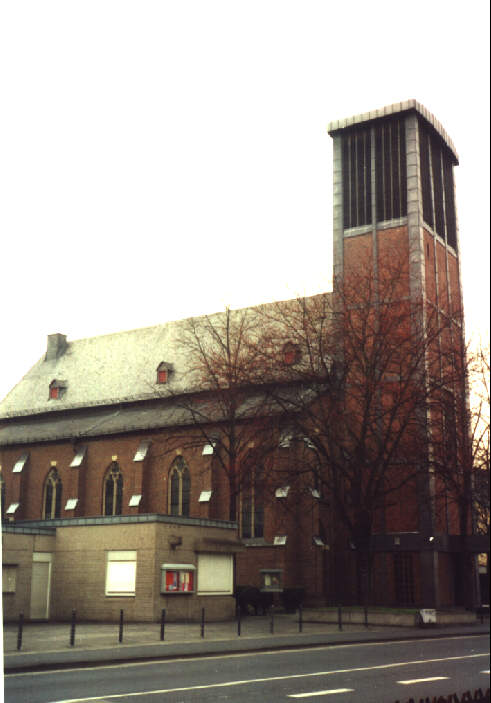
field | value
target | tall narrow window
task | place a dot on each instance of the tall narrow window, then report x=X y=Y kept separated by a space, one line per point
x=449 y=430
x=450 y=217
x=390 y=169
x=52 y=496
x=437 y=185
x=113 y=490
x=436 y=166
x=404 y=578
x=180 y=488
x=424 y=157
x=252 y=500
x=356 y=155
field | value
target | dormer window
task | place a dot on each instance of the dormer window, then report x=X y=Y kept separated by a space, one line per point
x=56 y=389
x=291 y=354
x=163 y=372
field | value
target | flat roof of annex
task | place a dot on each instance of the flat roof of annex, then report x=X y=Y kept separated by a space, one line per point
x=394 y=109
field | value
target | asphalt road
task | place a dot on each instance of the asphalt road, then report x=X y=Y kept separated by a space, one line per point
x=370 y=673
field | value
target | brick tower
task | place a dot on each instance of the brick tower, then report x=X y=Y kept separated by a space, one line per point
x=394 y=191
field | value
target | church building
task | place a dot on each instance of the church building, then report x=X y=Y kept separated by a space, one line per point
x=112 y=493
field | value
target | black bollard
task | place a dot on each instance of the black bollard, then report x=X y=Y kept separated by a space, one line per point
x=19 y=631
x=340 y=621
x=366 y=616
x=238 y=621
x=121 y=616
x=72 y=628
x=300 y=619
x=162 y=625
x=202 y=622
x=271 y=625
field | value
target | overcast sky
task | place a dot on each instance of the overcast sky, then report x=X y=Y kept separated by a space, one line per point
x=163 y=159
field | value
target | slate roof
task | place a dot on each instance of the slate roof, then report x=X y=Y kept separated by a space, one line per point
x=134 y=417
x=100 y=370
x=110 y=387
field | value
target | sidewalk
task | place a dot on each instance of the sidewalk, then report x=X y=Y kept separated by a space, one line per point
x=47 y=645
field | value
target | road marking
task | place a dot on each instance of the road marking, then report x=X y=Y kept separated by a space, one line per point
x=271 y=652
x=321 y=693
x=430 y=678
x=286 y=677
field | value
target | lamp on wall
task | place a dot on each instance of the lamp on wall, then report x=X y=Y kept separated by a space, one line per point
x=175 y=541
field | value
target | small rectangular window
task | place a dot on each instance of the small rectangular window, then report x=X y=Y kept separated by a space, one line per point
x=280 y=540
x=177 y=578
x=282 y=492
x=9 y=578
x=79 y=457
x=215 y=574
x=142 y=450
x=20 y=463
x=12 y=508
x=121 y=573
x=285 y=440
x=271 y=580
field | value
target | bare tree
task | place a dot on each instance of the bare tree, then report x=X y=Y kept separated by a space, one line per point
x=480 y=435
x=360 y=363
x=222 y=400
x=461 y=458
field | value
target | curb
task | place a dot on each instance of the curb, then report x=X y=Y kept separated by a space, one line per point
x=63 y=659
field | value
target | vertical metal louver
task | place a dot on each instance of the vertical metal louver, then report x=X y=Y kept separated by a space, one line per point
x=437 y=186
x=357 y=187
x=390 y=170
x=388 y=141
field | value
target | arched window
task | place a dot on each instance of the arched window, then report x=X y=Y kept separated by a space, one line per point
x=113 y=490
x=52 y=496
x=252 y=499
x=180 y=488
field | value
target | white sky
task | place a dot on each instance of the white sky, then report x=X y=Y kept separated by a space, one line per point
x=163 y=159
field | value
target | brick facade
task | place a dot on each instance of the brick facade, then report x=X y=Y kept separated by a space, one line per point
x=79 y=561
x=378 y=222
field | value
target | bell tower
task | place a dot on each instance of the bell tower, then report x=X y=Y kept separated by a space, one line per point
x=394 y=196
x=393 y=176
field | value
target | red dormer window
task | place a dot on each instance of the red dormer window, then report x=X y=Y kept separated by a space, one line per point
x=56 y=389
x=291 y=354
x=163 y=371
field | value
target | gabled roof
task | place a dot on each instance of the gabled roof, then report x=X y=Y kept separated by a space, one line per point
x=109 y=378
x=103 y=370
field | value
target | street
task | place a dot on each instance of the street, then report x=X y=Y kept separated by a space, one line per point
x=372 y=673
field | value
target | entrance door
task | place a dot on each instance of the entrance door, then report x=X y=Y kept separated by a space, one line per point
x=40 y=586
